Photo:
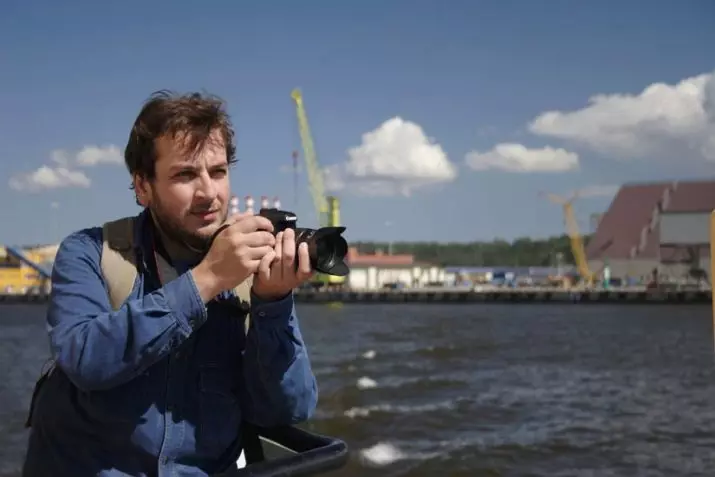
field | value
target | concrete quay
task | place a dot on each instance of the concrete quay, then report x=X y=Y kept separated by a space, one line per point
x=18 y=298
x=467 y=296
x=507 y=295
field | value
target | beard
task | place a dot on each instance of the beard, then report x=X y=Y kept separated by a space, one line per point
x=193 y=242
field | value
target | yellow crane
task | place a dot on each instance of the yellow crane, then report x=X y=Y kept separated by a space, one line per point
x=326 y=207
x=577 y=248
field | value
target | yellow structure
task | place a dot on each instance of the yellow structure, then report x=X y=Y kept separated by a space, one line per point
x=327 y=207
x=577 y=248
x=22 y=271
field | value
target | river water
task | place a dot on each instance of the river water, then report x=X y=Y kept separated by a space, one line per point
x=477 y=390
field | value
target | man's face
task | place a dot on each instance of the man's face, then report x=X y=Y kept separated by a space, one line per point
x=189 y=194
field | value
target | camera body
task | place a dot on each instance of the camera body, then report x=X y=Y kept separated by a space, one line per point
x=281 y=219
x=326 y=246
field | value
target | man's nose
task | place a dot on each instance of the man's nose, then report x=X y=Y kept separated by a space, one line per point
x=207 y=187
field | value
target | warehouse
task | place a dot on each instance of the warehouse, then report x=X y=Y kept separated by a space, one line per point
x=379 y=270
x=649 y=227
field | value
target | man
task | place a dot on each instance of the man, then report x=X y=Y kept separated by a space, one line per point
x=160 y=385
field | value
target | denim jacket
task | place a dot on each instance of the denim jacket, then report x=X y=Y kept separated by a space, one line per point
x=161 y=386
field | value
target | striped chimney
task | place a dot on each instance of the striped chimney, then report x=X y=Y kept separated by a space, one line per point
x=264 y=202
x=276 y=202
x=233 y=206
x=249 y=204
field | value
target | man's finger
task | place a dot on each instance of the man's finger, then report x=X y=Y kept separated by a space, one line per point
x=279 y=251
x=258 y=239
x=289 y=248
x=254 y=223
x=257 y=253
x=253 y=266
x=304 y=270
x=264 y=268
x=230 y=221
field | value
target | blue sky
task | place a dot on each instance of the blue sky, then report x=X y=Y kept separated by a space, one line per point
x=461 y=76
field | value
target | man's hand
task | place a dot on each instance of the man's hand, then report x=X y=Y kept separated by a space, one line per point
x=277 y=273
x=235 y=254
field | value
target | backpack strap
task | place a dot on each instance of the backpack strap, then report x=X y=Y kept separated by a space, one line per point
x=243 y=292
x=117 y=256
x=118 y=263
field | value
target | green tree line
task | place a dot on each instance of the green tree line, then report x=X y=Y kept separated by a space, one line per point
x=522 y=252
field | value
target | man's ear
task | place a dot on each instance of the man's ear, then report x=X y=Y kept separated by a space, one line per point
x=142 y=190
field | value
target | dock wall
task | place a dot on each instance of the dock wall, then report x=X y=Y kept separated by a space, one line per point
x=515 y=296
x=508 y=296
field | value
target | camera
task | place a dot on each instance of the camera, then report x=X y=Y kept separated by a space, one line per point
x=326 y=246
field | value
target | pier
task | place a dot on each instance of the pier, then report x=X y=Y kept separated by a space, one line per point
x=468 y=296
x=509 y=295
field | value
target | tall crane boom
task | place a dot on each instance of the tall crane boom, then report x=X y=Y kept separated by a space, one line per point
x=315 y=175
x=577 y=248
x=327 y=207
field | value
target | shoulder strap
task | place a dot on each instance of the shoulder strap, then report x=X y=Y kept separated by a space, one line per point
x=117 y=256
x=118 y=262
x=243 y=292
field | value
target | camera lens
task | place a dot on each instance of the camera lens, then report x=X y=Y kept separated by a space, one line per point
x=327 y=249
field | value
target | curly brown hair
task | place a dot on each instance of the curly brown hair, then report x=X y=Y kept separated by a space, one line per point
x=194 y=116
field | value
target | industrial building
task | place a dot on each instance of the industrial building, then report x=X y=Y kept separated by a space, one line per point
x=460 y=276
x=380 y=270
x=656 y=226
x=26 y=269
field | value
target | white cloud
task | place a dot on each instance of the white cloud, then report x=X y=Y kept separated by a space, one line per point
x=88 y=156
x=395 y=158
x=60 y=157
x=512 y=157
x=47 y=177
x=62 y=172
x=94 y=155
x=661 y=121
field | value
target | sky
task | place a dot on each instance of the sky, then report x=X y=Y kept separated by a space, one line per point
x=441 y=121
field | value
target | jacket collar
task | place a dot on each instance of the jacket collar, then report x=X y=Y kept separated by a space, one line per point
x=145 y=240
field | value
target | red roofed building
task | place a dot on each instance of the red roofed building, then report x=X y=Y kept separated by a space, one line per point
x=373 y=271
x=663 y=225
x=378 y=258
